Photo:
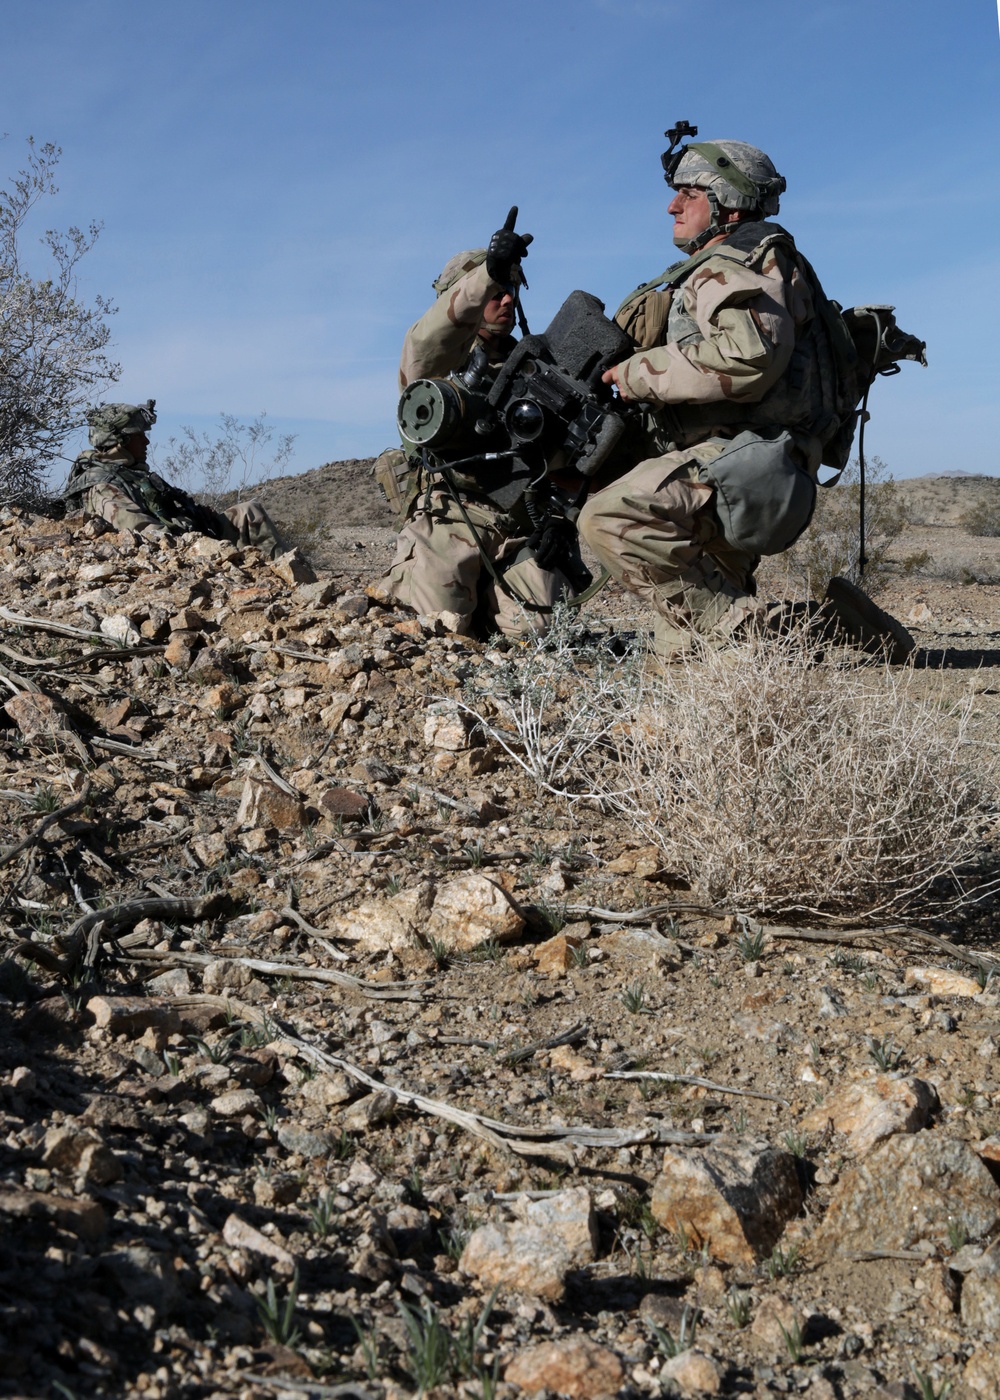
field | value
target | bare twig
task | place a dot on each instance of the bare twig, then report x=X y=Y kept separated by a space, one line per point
x=571 y=1037
x=918 y=935
x=320 y=936
x=386 y=991
x=698 y=1082
x=48 y=624
x=140 y=755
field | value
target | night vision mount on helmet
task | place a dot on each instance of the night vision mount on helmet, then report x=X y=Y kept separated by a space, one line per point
x=733 y=174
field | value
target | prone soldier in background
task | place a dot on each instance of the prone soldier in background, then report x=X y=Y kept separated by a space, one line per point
x=467 y=555
x=113 y=481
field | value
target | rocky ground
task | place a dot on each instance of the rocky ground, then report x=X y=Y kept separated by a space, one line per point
x=329 y=1045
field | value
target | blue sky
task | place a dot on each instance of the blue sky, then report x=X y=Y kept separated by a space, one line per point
x=280 y=183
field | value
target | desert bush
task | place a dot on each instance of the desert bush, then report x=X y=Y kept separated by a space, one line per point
x=777 y=783
x=52 y=361
x=983 y=520
x=207 y=464
x=831 y=545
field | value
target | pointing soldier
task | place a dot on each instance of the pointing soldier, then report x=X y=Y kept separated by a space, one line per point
x=113 y=480
x=467 y=560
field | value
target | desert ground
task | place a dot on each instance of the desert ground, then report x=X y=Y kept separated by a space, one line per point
x=340 y=1056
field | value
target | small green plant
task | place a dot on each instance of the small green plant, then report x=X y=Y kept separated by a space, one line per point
x=393 y=885
x=454 y=1241
x=440 y=952
x=984 y=976
x=633 y=998
x=671 y=1346
x=220 y=1053
x=579 y=957
x=885 y=1052
x=782 y=1261
x=539 y=854
x=278 y=1316
x=269 y=1118
x=322 y=1215
x=958 y=1235
x=429 y=1346
x=738 y=1302
x=43 y=799
x=550 y=915
x=368 y=1341
x=344 y=1148
x=927 y=1388
x=793 y=1341
x=870 y=982
x=415 y=1185
x=256 y=1036
x=796 y=1142
x=466 y=1341
x=488 y=951
x=172 y=1063
x=750 y=945
x=475 y=852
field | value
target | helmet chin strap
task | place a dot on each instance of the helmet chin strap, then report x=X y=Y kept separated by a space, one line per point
x=715 y=227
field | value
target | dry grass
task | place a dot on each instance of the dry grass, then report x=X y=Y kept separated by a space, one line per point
x=779 y=785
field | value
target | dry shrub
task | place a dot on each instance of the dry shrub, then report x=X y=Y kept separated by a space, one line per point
x=777 y=784
x=832 y=545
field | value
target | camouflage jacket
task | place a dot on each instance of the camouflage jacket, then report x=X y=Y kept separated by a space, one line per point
x=441 y=342
x=731 y=341
x=146 y=498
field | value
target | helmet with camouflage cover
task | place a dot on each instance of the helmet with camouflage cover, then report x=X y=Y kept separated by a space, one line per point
x=734 y=176
x=462 y=263
x=739 y=175
x=111 y=423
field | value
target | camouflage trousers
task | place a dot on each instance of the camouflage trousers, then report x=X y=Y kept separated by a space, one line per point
x=656 y=530
x=439 y=571
x=246 y=523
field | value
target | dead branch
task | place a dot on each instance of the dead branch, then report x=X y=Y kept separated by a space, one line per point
x=571 y=1037
x=698 y=1082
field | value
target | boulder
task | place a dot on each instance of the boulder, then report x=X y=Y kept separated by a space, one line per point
x=264 y=805
x=83 y=1218
x=694 y=1371
x=534 y=1252
x=734 y=1197
x=574 y=1366
x=874 y=1109
x=461 y=914
x=941 y=982
x=908 y=1190
x=981 y=1296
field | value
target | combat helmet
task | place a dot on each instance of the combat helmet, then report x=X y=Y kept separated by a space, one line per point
x=462 y=263
x=111 y=423
x=734 y=174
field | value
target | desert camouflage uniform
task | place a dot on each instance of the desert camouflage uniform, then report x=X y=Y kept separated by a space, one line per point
x=437 y=569
x=112 y=484
x=730 y=347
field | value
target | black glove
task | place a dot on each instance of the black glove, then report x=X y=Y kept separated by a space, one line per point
x=506 y=248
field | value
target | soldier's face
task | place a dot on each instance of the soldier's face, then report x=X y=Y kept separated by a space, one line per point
x=137 y=445
x=692 y=213
x=499 y=312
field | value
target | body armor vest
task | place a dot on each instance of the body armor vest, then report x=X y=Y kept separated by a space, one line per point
x=804 y=402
